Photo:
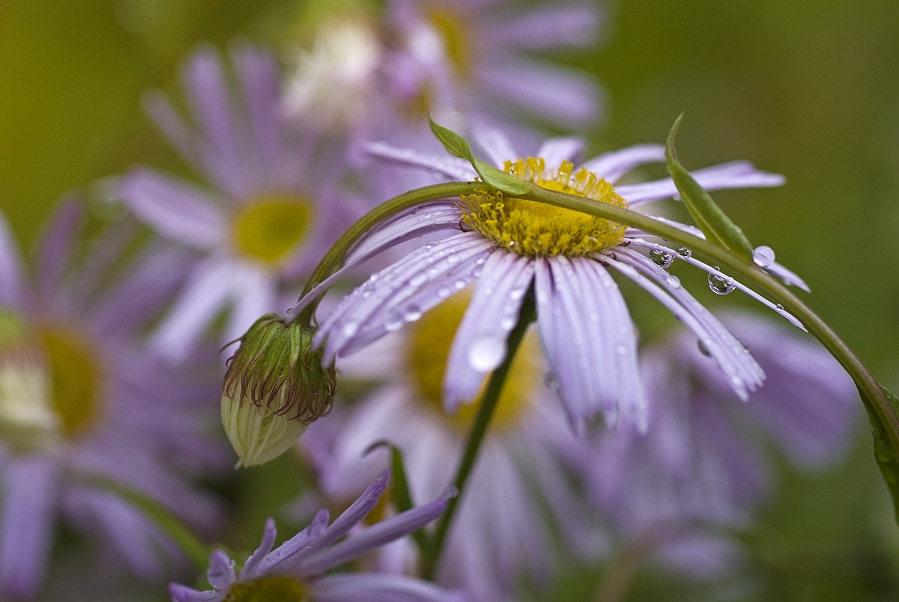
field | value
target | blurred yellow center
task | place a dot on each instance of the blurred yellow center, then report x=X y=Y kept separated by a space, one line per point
x=428 y=351
x=271 y=588
x=454 y=33
x=271 y=226
x=535 y=229
x=75 y=379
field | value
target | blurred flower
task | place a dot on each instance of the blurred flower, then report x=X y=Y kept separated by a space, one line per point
x=274 y=387
x=701 y=464
x=509 y=245
x=472 y=57
x=499 y=533
x=101 y=406
x=271 y=211
x=295 y=570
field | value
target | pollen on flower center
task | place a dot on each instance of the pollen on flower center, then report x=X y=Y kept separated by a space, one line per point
x=270 y=588
x=535 y=229
x=428 y=350
x=75 y=379
x=269 y=227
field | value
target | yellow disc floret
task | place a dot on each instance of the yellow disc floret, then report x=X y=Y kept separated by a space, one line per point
x=535 y=229
x=269 y=227
x=428 y=350
x=76 y=379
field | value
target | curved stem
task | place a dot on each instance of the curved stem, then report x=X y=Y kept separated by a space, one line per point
x=476 y=436
x=873 y=394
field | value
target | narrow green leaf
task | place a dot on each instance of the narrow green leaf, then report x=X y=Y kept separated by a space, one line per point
x=713 y=222
x=454 y=144
x=400 y=483
x=886 y=455
x=499 y=179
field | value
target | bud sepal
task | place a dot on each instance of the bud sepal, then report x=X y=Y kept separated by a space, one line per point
x=275 y=386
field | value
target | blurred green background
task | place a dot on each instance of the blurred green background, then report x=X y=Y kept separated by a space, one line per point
x=807 y=89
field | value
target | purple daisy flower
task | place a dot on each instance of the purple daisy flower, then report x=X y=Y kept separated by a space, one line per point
x=509 y=245
x=500 y=534
x=474 y=56
x=96 y=405
x=700 y=463
x=295 y=570
x=269 y=209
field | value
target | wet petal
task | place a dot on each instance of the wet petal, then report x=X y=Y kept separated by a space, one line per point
x=612 y=165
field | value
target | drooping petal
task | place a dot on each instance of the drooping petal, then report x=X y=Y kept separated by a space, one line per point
x=254 y=293
x=380 y=305
x=736 y=174
x=250 y=568
x=176 y=209
x=421 y=220
x=221 y=570
x=742 y=371
x=496 y=144
x=614 y=164
x=480 y=342
x=377 y=535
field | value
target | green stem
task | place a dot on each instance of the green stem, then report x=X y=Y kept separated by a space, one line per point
x=476 y=436
x=192 y=547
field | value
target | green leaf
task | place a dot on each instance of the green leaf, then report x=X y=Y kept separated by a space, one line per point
x=714 y=223
x=400 y=483
x=886 y=455
x=499 y=179
x=458 y=146
x=454 y=144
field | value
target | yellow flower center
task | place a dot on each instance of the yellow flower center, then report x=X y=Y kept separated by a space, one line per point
x=454 y=33
x=271 y=226
x=428 y=350
x=272 y=588
x=535 y=229
x=75 y=379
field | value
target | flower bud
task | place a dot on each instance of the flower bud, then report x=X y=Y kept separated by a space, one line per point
x=274 y=387
x=27 y=419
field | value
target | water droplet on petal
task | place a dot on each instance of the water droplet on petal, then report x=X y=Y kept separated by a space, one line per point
x=661 y=258
x=780 y=306
x=621 y=350
x=721 y=285
x=459 y=284
x=444 y=292
x=703 y=349
x=673 y=281
x=551 y=381
x=507 y=323
x=413 y=313
x=394 y=322
x=684 y=252
x=453 y=258
x=418 y=279
x=763 y=256
x=350 y=328
x=486 y=353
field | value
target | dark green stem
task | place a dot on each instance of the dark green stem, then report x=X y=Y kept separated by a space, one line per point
x=476 y=436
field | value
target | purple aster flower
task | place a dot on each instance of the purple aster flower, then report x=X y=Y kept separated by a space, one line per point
x=475 y=57
x=80 y=400
x=700 y=462
x=499 y=536
x=509 y=245
x=295 y=570
x=268 y=209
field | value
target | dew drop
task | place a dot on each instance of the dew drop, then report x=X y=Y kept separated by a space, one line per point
x=621 y=350
x=780 y=306
x=721 y=285
x=289 y=310
x=453 y=258
x=661 y=258
x=444 y=292
x=486 y=353
x=763 y=256
x=673 y=281
x=412 y=314
x=350 y=328
x=703 y=349
x=551 y=381
x=507 y=323
x=394 y=322
x=517 y=293
x=684 y=252
x=459 y=284
x=418 y=279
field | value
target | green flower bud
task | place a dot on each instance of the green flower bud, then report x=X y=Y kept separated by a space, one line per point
x=274 y=387
x=27 y=419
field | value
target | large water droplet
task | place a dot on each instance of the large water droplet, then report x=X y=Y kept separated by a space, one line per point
x=703 y=349
x=763 y=256
x=661 y=258
x=459 y=285
x=486 y=353
x=418 y=279
x=443 y=292
x=394 y=322
x=350 y=328
x=673 y=281
x=684 y=252
x=507 y=323
x=721 y=285
x=453 y=258
x=412 y=314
